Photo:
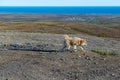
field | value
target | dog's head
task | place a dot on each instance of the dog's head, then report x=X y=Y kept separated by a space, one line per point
x=83 y=42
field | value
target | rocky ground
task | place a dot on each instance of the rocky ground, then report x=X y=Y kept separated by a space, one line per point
x=11 y=40
x=37 y=56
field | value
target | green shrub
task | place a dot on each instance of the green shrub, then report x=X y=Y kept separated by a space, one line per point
x=105 y=53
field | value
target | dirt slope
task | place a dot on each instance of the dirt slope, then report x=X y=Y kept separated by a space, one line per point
x=28 y=65
x=36 y=56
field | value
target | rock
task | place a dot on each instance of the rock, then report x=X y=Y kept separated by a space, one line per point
x=87 y=58
x=113 y=74
x=62 y=59
x=95 y=63
x=79 y=56
x=104 y=59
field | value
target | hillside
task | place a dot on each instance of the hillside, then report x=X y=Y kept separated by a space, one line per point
x=37 y=56
x=63 y=28
x=26 y=65
x=30 y=47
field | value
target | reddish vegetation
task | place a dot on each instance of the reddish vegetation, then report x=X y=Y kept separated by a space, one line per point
x=63 y=27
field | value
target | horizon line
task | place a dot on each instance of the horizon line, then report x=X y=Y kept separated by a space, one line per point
x=59 y=6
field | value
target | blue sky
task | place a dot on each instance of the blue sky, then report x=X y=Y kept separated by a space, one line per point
x=59 y=2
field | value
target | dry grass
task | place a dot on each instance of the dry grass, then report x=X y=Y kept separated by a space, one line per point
x=63 y=27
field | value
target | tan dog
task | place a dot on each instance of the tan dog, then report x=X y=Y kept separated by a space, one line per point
x=75 y=41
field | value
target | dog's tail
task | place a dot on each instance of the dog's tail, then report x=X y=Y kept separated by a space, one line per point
x=66 y=37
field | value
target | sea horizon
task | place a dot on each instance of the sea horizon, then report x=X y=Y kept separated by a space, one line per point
x=59 y=9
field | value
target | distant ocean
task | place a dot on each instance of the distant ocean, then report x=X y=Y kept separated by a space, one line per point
x=61 y=10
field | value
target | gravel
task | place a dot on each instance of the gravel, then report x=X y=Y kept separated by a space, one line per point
x=36 y=56
x=31 y=65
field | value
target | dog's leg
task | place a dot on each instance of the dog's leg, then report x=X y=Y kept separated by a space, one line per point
x=68 y=48
x=82 y=48
x=75 y=48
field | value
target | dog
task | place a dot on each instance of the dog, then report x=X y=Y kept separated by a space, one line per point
x=73 y=41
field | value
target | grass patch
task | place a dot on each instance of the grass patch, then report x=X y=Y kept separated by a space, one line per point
x=105 y=53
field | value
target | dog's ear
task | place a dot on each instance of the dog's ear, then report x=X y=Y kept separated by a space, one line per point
x=81 y=41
